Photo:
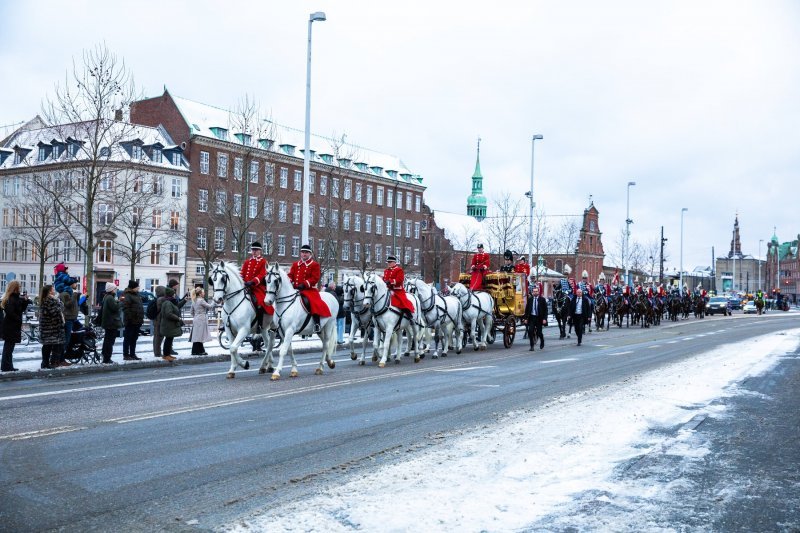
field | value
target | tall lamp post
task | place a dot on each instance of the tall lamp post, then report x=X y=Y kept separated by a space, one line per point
x=628 y=223
x=683 y=210
x=317 y=16
x=533 y=204
x=759 y=263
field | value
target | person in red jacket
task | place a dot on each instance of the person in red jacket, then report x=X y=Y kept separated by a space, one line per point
x=479 y=268
x=523 y=267
x=394 y=277
x=305 y=275
x=254 y=274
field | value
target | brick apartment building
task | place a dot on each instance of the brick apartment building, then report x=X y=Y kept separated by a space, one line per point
x=246 y=185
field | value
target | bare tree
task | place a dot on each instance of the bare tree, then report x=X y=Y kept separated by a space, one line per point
x=506 y=228
x=86 y=113
x=565 y=239
x=543 y=240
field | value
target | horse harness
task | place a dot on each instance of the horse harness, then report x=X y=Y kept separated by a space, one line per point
x=290 y=299
x=247 y=295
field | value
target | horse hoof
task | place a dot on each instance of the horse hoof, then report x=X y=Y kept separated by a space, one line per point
x=230 y=375
x=318 y=372
x=353 y=356
x=416 y=360
x=270 y=369
x=294 y=374
x=458 y=352
x=262 y=370
x=406 y=354
x=434 y=356
x=444 y=354
x=421 y=356
x=246 y=365
x=381 y=365
x=331 y=363
x=275 y=377
x=397 y=361
x=363 y=363
x=476 y=348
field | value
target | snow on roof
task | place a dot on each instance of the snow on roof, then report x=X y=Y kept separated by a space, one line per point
x=201 y=118
x=462 y=230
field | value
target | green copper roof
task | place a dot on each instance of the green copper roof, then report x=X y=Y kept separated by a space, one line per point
x=476 y=199
x=477 y=173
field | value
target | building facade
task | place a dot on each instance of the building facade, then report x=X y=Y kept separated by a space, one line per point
x=782 y=274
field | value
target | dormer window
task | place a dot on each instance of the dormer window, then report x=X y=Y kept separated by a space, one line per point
x=136 y=151
x=266 y=144
x=42 y=153
x=105 y=151
x=57 y=150
x=156 y=156
x=406 y=177
x=72 y=149
x=244 y=138
x=328 y=158
x=288 y=149
x=176 y=158
x=344 y=162
x=362 y=167
x=220 y=133
x=392 y=173
x=377 y=170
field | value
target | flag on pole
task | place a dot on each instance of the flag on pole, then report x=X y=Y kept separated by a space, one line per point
x=615 y=281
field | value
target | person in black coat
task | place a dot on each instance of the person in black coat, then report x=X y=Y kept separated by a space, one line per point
x=14 y=307
x=581 y=312
x=536 y=317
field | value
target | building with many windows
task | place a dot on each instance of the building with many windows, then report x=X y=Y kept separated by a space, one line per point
x=132 y=178
x=246 y=185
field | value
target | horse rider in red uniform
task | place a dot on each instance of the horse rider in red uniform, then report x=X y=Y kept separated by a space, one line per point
x=394 y=277
x=523 y=267
x=305 y=275
x=254 y=274
x=479 y=268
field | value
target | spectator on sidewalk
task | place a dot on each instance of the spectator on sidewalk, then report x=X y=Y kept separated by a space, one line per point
x=338 y=291
x=51 y=328
x=70 y=300
x=110 y=321
x=132 y=320
x=13 y=306
x=200 y=309
x=170 y=323
x=158 y=339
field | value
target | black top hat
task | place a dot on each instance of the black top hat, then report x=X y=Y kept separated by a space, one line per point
x=132 y=284
x=391 y=258
x=305 y=248
x=480 y=247
x=508 y=255
x=255 y=246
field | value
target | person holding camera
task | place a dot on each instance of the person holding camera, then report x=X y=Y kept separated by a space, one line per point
x=13 y=305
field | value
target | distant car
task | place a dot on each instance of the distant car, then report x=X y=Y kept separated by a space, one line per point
x=718 y=304
x=736 y=304
x=750 y=308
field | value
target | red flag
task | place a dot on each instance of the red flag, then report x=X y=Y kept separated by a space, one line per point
x=615 y=281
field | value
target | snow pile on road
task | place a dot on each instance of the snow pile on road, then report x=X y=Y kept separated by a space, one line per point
x=533 y=463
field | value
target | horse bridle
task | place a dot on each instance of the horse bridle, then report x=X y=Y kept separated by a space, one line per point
x=352 y=291
x=227 y=296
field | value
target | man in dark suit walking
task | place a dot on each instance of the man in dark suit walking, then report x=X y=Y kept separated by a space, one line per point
x=581 y=312
x=536 y=317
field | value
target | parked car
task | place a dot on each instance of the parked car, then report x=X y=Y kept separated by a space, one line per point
x=718 y=304
x=750 y=308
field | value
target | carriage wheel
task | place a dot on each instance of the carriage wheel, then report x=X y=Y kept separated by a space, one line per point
x=509 y=331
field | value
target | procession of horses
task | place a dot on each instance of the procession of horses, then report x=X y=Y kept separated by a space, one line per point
x=441 y=321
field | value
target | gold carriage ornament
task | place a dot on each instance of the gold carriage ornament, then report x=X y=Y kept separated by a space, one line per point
x=508 y=291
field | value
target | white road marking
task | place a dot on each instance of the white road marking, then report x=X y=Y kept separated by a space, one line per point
x=621 y=353
x=41 y=433
x=655 y=346
x=672 y=342
x=559 y=360
x=461 y=369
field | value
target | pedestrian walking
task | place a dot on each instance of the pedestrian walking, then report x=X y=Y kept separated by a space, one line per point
x=132 y=320
x=170 y=323
x=581 y=313
x=51 y=328
x=110 y=321
x=200 y=309
x=13 y=306
x=536 y=317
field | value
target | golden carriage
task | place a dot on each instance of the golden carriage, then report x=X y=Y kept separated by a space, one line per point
x=508 y=289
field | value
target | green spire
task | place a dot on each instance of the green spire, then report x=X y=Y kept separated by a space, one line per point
x=476 y=202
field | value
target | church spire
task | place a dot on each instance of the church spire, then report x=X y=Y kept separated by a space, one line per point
x=736 y=244
x=476 y=203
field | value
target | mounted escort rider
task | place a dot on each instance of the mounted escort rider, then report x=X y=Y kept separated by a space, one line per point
x=586 y=287
x=254 y=274
x=394 y=277
x=479 y=268
x=305 y=275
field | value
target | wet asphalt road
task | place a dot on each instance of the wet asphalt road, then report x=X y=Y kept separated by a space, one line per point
x=183 y=448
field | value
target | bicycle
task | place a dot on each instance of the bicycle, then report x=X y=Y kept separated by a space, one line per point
x=31 y=335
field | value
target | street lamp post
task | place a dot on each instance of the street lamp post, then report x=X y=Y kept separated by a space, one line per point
x=759 y=263
x=316 y=16
x=628 y=223
x=683 y=210
x=533 y=204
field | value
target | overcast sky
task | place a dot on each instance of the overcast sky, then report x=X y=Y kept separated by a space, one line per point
x=695 y=101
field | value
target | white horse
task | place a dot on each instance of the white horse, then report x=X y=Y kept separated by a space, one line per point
x=292 y=318
x=442 y=313
x=239 y=315
x=390 y=321
x=478 y=309
x=360 y=317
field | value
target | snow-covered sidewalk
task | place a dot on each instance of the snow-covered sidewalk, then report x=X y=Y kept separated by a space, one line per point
x=532 y=464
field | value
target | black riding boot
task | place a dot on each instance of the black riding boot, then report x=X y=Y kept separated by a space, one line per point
x=317 y=328
x=259 y=318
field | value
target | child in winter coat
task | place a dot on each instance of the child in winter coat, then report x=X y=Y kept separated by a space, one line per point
x=63 y=281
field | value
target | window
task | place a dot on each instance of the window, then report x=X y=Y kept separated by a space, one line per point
x=105 y=252
x=155 y=254
x=204 y=162
x=56 y=151
x=281 y=245
x=202 y=200
x=378 y=253
x=321 y=248
x=298 y=180
x=357 y=251
x=369 y=194
x=107 y=183
x=237 y=205
x=323 y=216
x=408 y=229
x=136 y=152
x=281 y=211
x=378 y=225
x=105 y=214
x=398 y=227
x=176 y=158
x=335 y=187
x=269 y=174
x=390 y=199
x=269 y=208
x=358 y=192
x=334 y=218
x=323 y=185
x=202 y=238
x=295 y=213
x=222 y=165
x=379 y=199
x=295 y=246
x=312 y=179
x=156 y=220
x=284 y=178
x=222 y=201
x=156 y=185
x=235 y=241
x=357 y=222
x=416 y=256
x=345 y=251
x=409 y=198
x=267 y=244
x=219 y=239
x=416 y=230
x=389 y=226
x=418 y=203
x=252 y=207
x=199 y=270
x=174 y=220
x=238 y=163
x=332 y=250
x=367 y=253
x=368 y=223
x=137 y=216
x=346 y=221
x=177 y=189
x=42 y=153
x=251 y=237
x=151 y=283
x=156 y=153
x=253 y=171
x=310 y=215
x=348 y=189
